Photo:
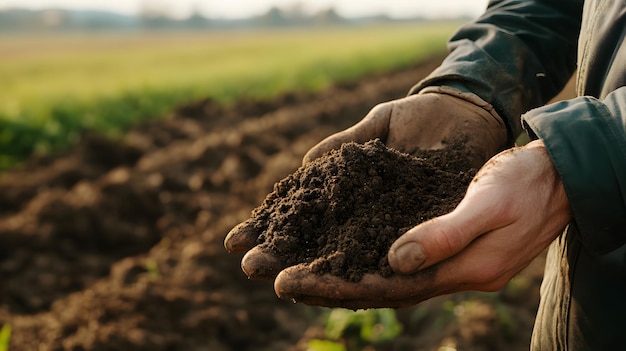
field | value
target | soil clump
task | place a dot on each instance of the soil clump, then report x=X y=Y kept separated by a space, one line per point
x=341 y=212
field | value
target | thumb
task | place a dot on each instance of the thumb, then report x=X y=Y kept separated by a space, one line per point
x=436 y=240
x=374 y=125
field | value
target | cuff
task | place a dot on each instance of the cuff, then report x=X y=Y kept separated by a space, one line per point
x=586 y=141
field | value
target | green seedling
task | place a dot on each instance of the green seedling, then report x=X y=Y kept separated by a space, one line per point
x=5 y=337
x=353 y=330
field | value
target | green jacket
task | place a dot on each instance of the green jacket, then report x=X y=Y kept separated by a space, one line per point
x=518 y=56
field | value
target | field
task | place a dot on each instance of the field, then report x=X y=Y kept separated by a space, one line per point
x=56 y=86
x=116 y=242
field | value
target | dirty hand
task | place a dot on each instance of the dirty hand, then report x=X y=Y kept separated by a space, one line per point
x=515 y=206
x=428 y=120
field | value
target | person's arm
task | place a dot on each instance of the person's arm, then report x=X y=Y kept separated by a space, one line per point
x=516 y=56
x=586 y=140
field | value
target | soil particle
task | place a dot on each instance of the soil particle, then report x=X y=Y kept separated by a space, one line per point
x=341 y=212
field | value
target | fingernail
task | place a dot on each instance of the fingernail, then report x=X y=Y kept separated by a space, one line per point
x=241 y=238
x=408 y=258
x=260 y=265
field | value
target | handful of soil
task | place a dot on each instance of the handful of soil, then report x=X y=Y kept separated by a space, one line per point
x=340 y=213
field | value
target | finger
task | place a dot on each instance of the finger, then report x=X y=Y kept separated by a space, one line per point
x=374 y=125
x=241 y=238
x=373 y=291
x=261 y=265
x=443 y=237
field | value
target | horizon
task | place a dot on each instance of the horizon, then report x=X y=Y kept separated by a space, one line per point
x=235 y=9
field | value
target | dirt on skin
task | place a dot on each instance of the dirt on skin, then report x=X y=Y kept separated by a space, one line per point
x=340 y=213
x=118 y=244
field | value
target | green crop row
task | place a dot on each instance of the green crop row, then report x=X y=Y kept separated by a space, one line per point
x=57 y=86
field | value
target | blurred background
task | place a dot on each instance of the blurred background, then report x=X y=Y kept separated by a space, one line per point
x=135 y=134
x=71 y=65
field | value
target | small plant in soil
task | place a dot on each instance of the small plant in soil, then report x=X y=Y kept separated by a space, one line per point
x=355 y=330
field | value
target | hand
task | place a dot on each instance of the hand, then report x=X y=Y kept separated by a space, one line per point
x=514 y=208
x=426 y=121
x=423 y=121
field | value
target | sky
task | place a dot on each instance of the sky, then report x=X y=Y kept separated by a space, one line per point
x=245 y=8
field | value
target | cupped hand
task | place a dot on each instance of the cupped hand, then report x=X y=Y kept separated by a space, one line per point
x=428 y=120
x=513 y=209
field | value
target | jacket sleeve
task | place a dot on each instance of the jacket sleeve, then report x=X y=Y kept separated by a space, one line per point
x=517 y=56
x=586 y=139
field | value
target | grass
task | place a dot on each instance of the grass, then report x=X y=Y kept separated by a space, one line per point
x=57 y=86
x=357 y=330
x=5 y=337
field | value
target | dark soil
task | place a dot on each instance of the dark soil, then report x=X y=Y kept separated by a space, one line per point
x=118 y=244
x=341 y=212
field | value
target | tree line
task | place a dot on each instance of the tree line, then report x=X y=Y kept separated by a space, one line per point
x=148 y=18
